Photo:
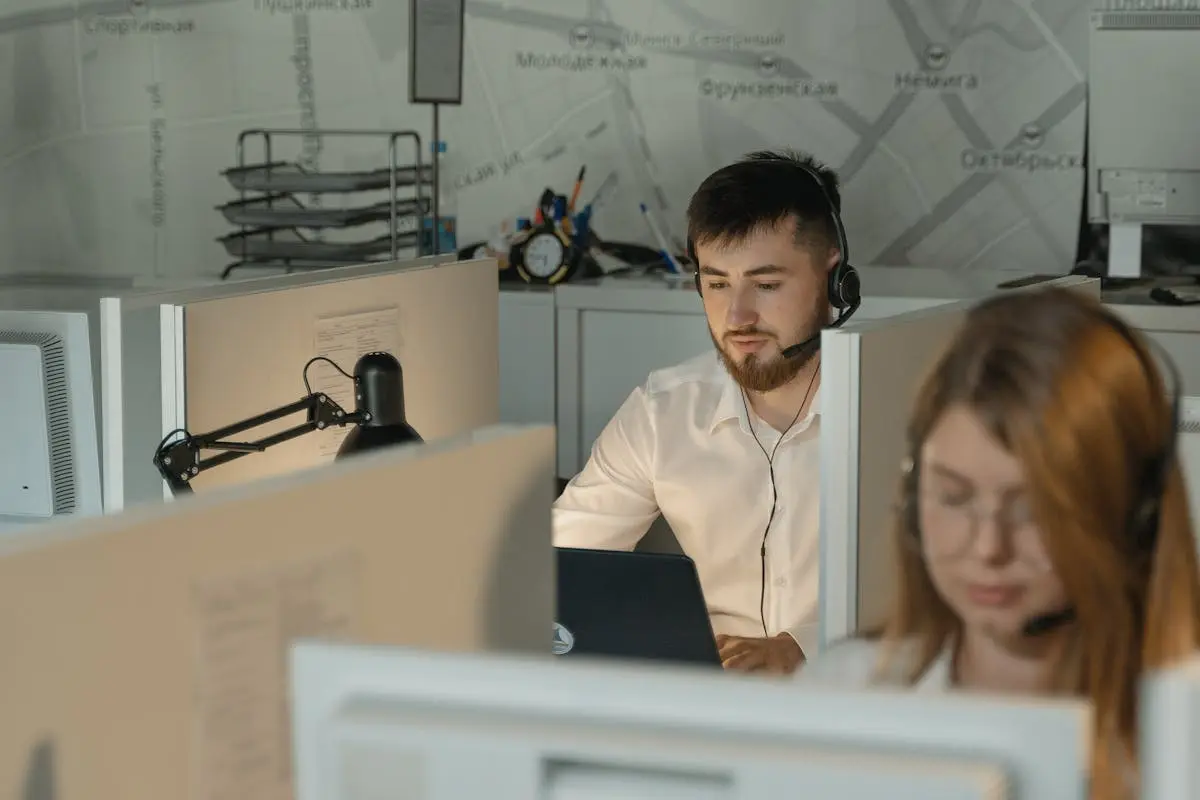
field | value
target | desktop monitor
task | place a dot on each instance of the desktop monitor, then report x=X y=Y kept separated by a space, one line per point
x=204 y=358
x=78 y=293
x=1169 y=733
x=870 y=372
x=1141 y=60
x=49 y=450
x=373 y=722
x=143 y=654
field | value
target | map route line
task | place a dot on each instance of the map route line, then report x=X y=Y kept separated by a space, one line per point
x=700 y=20
x=1052 y=40
x=918 y=41
x=969 y=13
x=891 y=114
x=1017 y=226
x=7 y=160
x=870 y=138
x=630 y=125
x=748 y=59
x=528 y=149
x=1005 y=35
x=23 y=20
x=910 y=26
x=472 y=47
x=897 y=251
x=979 y=140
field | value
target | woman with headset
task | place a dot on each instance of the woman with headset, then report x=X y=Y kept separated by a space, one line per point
x=1043 y=534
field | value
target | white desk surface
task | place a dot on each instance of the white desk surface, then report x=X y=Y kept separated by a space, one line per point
x=675 y=294
x=1135 y=305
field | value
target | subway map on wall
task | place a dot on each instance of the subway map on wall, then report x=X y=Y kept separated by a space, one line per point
x=957 y=125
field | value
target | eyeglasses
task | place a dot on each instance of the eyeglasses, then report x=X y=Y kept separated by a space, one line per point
x=951 y=523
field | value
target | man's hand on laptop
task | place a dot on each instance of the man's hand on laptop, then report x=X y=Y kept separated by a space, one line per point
x=778 y=655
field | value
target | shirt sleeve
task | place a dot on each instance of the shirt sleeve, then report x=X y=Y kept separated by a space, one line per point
x=805 y=635
x=611 y=504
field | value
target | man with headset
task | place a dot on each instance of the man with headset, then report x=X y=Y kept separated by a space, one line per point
x=725 y=446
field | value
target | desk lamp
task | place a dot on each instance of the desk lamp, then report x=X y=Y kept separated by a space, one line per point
x=378 y=418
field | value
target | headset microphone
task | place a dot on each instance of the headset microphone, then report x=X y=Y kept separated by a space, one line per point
x=1044 y=623
x=803 y=349
x=807 y=348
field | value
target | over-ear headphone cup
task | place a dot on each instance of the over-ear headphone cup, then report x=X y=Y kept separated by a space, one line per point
x=1147 y=510
x=912 y=517
x=844 y=287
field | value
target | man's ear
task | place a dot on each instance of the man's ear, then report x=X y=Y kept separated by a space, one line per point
x=835 y=255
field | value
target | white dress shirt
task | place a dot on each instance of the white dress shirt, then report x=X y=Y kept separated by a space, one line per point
x=681 y=445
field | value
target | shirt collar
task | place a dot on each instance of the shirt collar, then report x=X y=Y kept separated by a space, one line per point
x=731 y=405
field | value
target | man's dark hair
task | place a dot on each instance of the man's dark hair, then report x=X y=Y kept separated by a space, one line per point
x=759 y=192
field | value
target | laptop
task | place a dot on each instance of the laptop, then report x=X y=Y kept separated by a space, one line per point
x=632 y=605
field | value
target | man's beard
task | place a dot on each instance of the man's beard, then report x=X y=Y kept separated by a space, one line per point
x=757 y=375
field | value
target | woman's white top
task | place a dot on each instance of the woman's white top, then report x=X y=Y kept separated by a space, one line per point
x=852 y=664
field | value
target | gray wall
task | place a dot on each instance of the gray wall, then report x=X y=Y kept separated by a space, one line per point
x=956 y=126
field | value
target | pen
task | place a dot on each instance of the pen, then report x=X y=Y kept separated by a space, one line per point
x=664 y=248
x=575 y=191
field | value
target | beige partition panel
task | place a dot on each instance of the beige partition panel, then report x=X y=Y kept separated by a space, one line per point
x=142 y=655
x=895 y=355
x=246 y=354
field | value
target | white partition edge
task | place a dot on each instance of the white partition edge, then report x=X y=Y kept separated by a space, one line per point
x=840 y=386
x=568 y=383
x=112 y=428
x=1168 y=732
x=174 y=394
x=1189 y=411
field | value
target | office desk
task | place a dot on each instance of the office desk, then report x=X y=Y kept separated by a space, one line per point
x=1176 y=328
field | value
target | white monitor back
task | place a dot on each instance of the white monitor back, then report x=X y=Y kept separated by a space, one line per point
x=49 y=457
x=1170 y=733
x=392 y=722
x=870 y=372
x=68 y=293
x=1139 y=62
x=144 y=654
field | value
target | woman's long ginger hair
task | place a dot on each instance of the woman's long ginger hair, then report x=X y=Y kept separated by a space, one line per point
x=1078 y=398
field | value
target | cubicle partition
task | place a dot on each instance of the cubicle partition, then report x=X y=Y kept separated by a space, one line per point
x=527 y=354
x=145 y=652
x=1188 y=447
x=1175 y=328
x=613 y=332
x=870 y=372
x=204 y=358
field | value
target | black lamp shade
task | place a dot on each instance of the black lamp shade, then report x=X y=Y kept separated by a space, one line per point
x=379 y=392
x=363 y=439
